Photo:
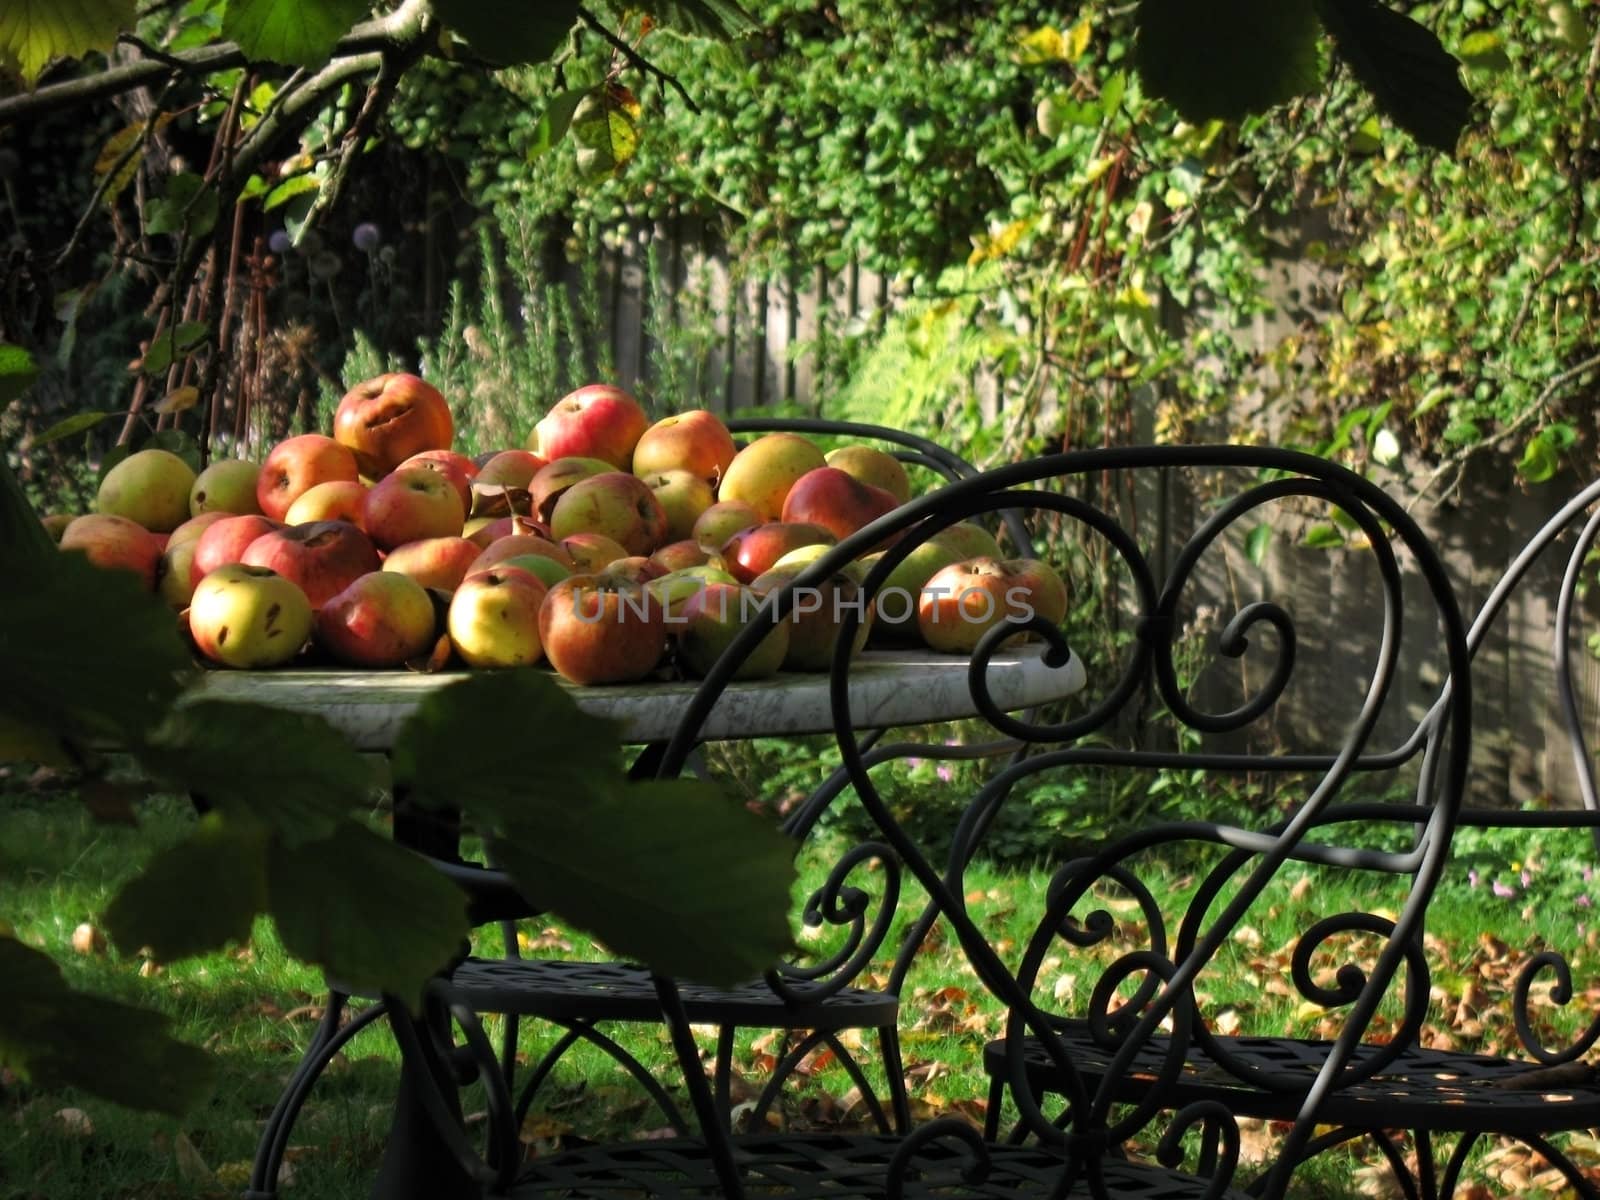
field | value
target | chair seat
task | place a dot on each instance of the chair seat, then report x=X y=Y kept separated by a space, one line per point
x=1422 y=1089
x=561 y=990
x=833 y=1167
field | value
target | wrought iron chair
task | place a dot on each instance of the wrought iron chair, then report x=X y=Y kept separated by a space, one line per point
x=813 y=1002
x=1144 y=1043
x=1403 y=1086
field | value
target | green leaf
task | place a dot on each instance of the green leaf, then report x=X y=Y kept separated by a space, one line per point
x=374 y=915
x=84 y=651
x=1484 y=51
x=180 y=442
x=555 y=120
x=672 y=873
x=1412 y=77
x=17 y=373
x=173 y=344
x=77 y=423
x=292 y=32
x=56 y=1037
x=1257 y=542
x=32 y=32
x=290 y=188
x=290 y=770
x=605 y=127
x=196 y=896
x=188 y=205
x=1227 y=58
x=1540 y=460
x=1322 y=537
x=510 y=32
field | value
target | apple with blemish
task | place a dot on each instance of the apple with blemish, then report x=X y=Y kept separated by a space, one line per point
x=485 y=533
x=837 y=501
x=962 y=602
x=695 y=441
x=683 y=496
x=149 y=486
x=596 y=421
x=294 y=466
x=249 y=617
x=321 y=559
x=524 y=543
x=617 y=504
x=721 y=521
x=383 y=619
x=674 y=556
x=227 y=485
x=411 y=504
x=597 y=630
x=115 y=543
x=224 y=543
x=551 y=480
x=493 y=619
x=434 y=562
x=448 y=464
x=511 y=468
x=750 y=552
x=592 y=552
x=387 y=419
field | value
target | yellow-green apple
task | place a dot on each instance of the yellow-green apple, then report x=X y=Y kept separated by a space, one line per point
x=55 y=524
x=635 y=568
x=896 y=602
x=387 y=419
x=970 y=540
x=494 y=619
x=449 y=464
x=962 y=602
x=804 y=556
x=721 y=521
x=150 y=487
x=336 y=500
x=321 y=559
x=195 y=526
x=599 y=630
x=411 y=504
x=763 y=472
x=591 y=552
x=683 y=496
x=295 y=466
x=695 y=441
x=434 y=562
x=380 y=620
x=174 y=583
x=522 y=543
x=618 y=504
x=817 y=616
x=511 y=468
x=837 y=501
x=705 y=625
x=676 y=555
x=872 y=466
x=115 y=543
x=750 y=552
x=596 y=421
x=248 y=617
x=224 y=542
x=551 y=480
x=227 y=485
x=546 y=569
x=484 y=532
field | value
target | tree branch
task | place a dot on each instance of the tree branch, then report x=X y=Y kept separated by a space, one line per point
x=635 y=59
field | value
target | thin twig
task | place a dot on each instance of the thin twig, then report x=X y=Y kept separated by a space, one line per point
x=637 y=60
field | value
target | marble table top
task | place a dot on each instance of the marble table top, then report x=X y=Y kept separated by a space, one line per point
x=887 y=688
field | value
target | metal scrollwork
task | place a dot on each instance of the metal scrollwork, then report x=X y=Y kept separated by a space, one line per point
x=1522 y=1009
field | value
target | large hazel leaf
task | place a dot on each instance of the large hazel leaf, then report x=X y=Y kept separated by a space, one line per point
x=489 y=742
x=1413 y=78
x=374 y=915
x=32 y=32
x=290 y=770
x=1227 y=58
x=196 y=896
x=670 y=873
x=299 y=33
x=56 y=1037
x=510 y=32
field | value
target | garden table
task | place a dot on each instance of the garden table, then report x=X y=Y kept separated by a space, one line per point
x=887 y=688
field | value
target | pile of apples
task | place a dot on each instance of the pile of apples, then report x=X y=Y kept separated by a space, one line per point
x=609 y=547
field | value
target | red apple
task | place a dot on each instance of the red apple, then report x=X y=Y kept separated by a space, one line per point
x=321 y=559
x=336 y=500
x=721 y=521
x=494 y=619
x=617 y=504
x=387 y=419
x=597 y=421
x=445 y=462
x=592 y=551
x=763 y=472
x=434 y=562
x=295 y=466
x=751 y=552
x=380 y=620
x=674 y=556
x=696 y=441
x=522 y=543
x=962 y=602
x=409 y=505
x=600 y=631
x=683 y=496
x=511 y=468
x=115 y=543
x=225 y=542
x=876 y=467
x=706 y=624
x=837 y=501
x=547 y=484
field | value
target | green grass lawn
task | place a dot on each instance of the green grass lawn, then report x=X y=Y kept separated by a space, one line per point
x=255 y=1009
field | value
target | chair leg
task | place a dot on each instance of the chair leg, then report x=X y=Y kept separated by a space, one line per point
x=991 y=1115
x=895 y=1078
x=326 y=1042
x=722 y=1074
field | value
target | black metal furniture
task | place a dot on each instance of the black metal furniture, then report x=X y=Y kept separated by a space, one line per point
x=1144 y=1013
x=1403 y=1087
